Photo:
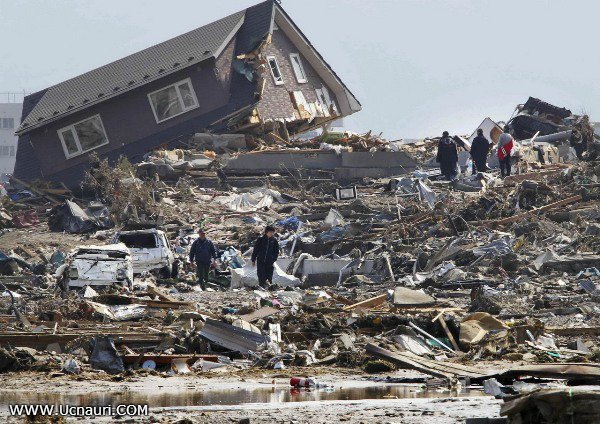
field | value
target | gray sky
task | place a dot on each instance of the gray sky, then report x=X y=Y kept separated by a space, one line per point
x=417 y=66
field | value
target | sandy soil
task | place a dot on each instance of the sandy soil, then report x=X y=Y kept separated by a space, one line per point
x=40 y=237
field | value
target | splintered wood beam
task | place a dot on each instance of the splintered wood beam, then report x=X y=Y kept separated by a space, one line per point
x=368 y=303
x=442 y=322
x=520 y=216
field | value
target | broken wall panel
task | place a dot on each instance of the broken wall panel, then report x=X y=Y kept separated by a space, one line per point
x=348 y=165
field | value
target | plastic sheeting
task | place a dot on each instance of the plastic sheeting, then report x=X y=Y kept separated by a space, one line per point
x=247 y=277
x=105 y=357
x=334 y=218
x=426 y=194
x=71 y=218
x=252 y=201
x=498 y=247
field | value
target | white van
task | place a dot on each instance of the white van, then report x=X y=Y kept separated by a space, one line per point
x=97 y=266
x=150 y=250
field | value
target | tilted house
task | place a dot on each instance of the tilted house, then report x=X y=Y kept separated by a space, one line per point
x=253 y=71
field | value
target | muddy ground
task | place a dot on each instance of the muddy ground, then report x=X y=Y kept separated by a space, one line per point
x=261 y=397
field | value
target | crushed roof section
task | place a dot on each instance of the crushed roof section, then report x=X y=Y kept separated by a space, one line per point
x=132 y=71
x=258 y=23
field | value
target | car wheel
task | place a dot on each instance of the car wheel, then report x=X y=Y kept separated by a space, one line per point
x=165 y=273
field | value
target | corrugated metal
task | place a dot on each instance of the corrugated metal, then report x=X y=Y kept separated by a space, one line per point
x=233 y=338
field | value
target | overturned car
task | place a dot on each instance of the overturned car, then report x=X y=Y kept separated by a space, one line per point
x=150 y=250
x=97 y=266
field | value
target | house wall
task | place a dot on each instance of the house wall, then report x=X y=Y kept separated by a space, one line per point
x=276 y=102
x=128 y=119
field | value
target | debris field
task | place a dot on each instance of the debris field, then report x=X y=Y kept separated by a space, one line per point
x=478 y=282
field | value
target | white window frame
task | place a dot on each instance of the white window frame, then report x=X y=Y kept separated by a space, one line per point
x=324 y=97
x=280 y=82
x=80 y=150
x=179 y=97
x=298 y=70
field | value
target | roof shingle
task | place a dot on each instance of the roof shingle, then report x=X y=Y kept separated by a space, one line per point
x=132 y=71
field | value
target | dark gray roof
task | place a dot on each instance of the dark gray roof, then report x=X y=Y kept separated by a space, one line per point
x=132 y=71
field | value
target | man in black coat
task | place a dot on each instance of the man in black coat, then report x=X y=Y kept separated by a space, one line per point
x=264 y=255
x=203 y=253
x=480 y=148
x=447 y=157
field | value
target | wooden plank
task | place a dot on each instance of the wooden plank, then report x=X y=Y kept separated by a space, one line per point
x=161 y=295
x=533 y=176
x=41 y=340
x=426 y=366
x=523 y=215
x=374 y=301
x=167 y=359
x=405 y=361
x=115 y=299
x=447 y=331
x=263 y=312
x=417 y=310
x=164 y=303
x=574 y=331
x=339 y=298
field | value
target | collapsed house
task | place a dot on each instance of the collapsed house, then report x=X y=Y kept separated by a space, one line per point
x=543 y=122
x=253 y=71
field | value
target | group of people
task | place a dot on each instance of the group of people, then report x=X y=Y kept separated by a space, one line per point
x=447 y=154
x=203 y=254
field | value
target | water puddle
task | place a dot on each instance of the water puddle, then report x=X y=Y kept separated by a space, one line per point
x=266 y=395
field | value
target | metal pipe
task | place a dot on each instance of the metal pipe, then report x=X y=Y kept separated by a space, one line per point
x=551 y=138
x=430 y=336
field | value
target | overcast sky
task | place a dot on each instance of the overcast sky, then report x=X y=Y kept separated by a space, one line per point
x=417 y=66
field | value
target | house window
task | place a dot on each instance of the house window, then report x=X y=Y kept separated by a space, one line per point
x=3 y=150
x=12 y=150
x=298 y=68
x=83 y=136
x=275 y=72
x=325 y=99
x=8 y=123
x=173 y=100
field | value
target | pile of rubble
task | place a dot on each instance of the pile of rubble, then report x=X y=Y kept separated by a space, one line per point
x=404 y=272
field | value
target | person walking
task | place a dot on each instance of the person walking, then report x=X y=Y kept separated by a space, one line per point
x=480 y=149
x=505 y=146
x=264 y=255
x=204 y=254
x=447 y=157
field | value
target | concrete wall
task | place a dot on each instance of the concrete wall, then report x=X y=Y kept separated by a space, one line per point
x=284 y=160
x=348 y=165
x=8 y=140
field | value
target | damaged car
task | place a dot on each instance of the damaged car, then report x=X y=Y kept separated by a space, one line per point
x=97 y=266
x=150 y=250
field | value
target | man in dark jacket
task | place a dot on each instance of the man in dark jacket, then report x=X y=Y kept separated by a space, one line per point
x=264 y=255
x=203 y=253
x=479 y=151
x=447 y=157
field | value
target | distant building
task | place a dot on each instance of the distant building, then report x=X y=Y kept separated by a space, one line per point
x=10 y=115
